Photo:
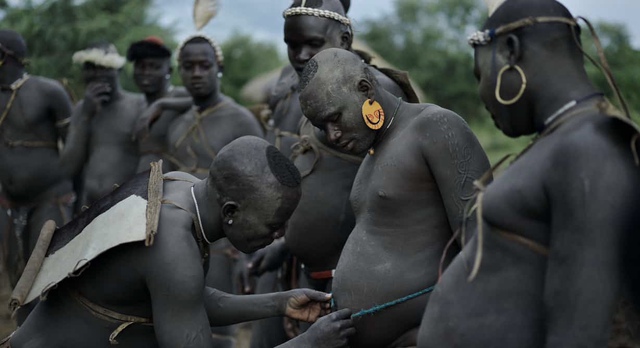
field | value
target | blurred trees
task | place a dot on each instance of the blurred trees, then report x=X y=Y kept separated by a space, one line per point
x=428 y=38
x=55 y=29
x=246 y=58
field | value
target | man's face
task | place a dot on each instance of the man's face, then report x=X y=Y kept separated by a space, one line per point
x=262 y=218
x=513 y=120
x=336 y=109
x=198 y=69
x=150 y=74
x=97 y=74
x=305 y=36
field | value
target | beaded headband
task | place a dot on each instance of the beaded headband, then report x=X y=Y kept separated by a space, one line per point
x=307 y=11
x=216 y=48
x=481 y=38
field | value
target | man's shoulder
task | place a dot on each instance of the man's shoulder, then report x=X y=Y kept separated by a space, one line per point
x=430 y=115
x=45 y=84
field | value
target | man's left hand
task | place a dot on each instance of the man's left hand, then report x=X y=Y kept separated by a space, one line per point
x=306 y=304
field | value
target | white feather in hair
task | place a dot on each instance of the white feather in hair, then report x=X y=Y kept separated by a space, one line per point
x=203 y=11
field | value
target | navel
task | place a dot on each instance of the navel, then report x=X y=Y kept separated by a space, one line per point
x=382 y=194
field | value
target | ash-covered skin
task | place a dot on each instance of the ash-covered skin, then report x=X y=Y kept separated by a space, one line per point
x=407 y=197
x=165 y=281
x=259 y=209
x=31 y=176
x=326 y=99
x=557 y=194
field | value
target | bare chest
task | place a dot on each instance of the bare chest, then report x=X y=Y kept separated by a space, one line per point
x=113 y=125
x=396 y=176
x=25 y=113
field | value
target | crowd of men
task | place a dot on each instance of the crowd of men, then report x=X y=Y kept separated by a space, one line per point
x=347 y=213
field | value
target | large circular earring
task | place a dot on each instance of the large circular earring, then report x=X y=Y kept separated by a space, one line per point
x=523 y=86
x=373 y=114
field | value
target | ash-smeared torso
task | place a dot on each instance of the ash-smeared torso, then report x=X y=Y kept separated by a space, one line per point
x=113 y=154
x=195 y=138
x=29 y=158
x=400 y=233
x=504 y=306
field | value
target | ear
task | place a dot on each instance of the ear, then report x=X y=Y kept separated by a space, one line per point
x=229 y=209
x=346 y=40
x=513 y=49
x=366 y=88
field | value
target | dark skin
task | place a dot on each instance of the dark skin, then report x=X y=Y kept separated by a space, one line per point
x=152 y=76
x=408 y=197
x=31 y=176
x=110 y=114
x=305 y=36
x=229 y=121
x=557 y=193
x=182 y=313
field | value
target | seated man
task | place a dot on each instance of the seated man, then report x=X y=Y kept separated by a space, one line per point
x=147 y=289
x=543 y=268
x=152 y=74
x=407 y=197
x=109 y=113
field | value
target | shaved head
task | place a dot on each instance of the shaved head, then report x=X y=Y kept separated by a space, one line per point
x=335 y=84
x=258 y=189
x=13 y=42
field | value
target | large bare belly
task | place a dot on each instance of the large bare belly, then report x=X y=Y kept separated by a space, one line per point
x=25 y=173
x=377 y=268
x=501 y=307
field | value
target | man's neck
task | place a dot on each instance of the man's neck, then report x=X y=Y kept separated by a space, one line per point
x=389 y=104
x=207 y=102
x=209 y=210
x=10 y=75
x=554 y=96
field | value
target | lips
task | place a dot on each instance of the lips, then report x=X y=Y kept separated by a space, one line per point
x=347 y=145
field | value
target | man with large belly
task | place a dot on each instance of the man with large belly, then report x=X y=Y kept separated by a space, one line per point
x=543 y=268
x=408 y=195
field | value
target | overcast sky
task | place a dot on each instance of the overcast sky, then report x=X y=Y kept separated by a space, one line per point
x=263 y=18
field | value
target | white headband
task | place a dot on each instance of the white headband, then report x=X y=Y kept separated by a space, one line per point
x=216 y=48
x=108 y=59
x=307 y=11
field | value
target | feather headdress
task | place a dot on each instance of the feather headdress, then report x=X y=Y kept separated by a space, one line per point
x=203 y=12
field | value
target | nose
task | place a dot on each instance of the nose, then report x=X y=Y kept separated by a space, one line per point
x=333 y=133
x=304 y=55
x=198 y=71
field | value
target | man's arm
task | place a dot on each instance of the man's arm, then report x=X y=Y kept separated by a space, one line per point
x=591 y=207
x=60 y=108
x=455 y=157
x=175 y=279
x=300 y=304
x=75 y=150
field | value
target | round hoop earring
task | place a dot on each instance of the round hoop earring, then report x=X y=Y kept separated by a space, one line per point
x=523 y=87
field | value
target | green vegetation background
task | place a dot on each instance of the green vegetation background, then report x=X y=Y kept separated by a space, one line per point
x=425 y=37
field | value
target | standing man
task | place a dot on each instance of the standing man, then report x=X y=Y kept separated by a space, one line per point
x=408 y=196
x=34 y=116
x=543 y=268
x=152 y=74
x=215 y=120
x=111 y=156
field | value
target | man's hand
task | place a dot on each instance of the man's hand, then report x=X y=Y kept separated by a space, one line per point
x=95 y=94
x=268 y=259
x=306 y=304
x=147 y=118
x=331 y=331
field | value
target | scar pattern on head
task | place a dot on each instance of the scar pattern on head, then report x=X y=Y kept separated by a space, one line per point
x=308 y=73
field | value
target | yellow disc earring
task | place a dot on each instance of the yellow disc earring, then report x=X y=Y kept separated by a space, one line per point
x=372 y=114
x=523 y=86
